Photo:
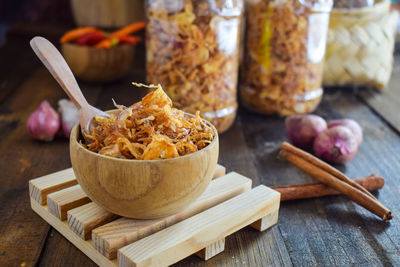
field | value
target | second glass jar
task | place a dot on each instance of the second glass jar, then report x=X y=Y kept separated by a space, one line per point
x=285 y=47
x=192 y=50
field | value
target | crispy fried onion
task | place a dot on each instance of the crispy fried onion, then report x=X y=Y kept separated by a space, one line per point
x=148 y=130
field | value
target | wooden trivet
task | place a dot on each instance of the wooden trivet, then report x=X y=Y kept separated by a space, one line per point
x=227 y=205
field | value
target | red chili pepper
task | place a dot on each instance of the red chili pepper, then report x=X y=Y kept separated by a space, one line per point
x=132 y=40
x=74 y=34
x=129 y=29
x=90 y=39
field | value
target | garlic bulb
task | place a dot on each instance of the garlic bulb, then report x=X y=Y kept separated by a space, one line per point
x=69 y=116
x=44 y=122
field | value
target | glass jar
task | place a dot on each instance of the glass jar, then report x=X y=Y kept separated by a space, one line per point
x=285 y=47
x=353 y=3
x=192 y=50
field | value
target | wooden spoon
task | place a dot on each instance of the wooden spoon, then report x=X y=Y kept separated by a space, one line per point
x=57 y=66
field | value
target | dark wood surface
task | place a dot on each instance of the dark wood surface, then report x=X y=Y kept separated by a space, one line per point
x=323 y=231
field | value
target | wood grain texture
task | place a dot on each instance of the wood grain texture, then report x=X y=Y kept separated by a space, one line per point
x=10 y=82
x=82 y=220
x=185 y=238
x=99 y=65
x=325 y=231
x=245 y=247
x=312 y=228
x=59 y=69
x=106 y=13
x=143 y=189
x=267 y=221
x=60 y=251
x=39 y=188
x=110 y=237
x=62 y=227
x=211 y=250
x=386 y=103
x=22 y=233
x=219 y=171
x=219 y=190
x=60 y=202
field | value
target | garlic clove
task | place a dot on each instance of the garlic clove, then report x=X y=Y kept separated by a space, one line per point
x=69 y=116
x=44 y=122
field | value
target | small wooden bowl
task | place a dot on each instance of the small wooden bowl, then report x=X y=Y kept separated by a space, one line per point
x=142 y=189
x=107 y=13
x=98 y=64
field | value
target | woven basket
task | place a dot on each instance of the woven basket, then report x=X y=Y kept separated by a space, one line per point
x=360 y=46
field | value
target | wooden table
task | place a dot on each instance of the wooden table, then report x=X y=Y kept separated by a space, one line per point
x=323 y=231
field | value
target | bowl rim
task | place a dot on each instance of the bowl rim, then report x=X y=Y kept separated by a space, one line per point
x=76 y=130
x=99 y=49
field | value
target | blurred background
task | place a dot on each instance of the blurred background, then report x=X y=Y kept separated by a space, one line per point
x=21 y=16
x=283 y=71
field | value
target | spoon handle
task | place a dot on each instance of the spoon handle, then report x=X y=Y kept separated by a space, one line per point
x=57 y=66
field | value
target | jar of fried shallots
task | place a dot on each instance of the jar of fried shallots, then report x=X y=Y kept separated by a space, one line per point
x=192 y=50
x=285 y=47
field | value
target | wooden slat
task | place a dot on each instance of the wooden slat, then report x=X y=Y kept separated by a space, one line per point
x=62 y=227
x=306 y=226
x=60 y=202
x=219 y=190
x=266 y=222
x=219 y=171
x=110 y=237
x=189 y=236
x=39 y=188
x=82 y=220
x=246 y=148
x=212 y=250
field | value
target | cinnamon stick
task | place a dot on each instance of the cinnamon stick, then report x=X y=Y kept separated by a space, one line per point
x=310 y=190
x=323 y=165
x=310 y=165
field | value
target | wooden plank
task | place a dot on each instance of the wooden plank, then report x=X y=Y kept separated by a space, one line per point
x=212 y=250
x=60 y=202
x=15 y=50
x=387 y=102
x=82 y=220
x=239 y=152
x=238 y=157
x=23 y=234
x=62 y=227
x=185 y=238
x=58 y=249
x=219 y=171
x=266 y=222
x=231 y=180
x=39 y=188
x=110 y=237
x=310 y=228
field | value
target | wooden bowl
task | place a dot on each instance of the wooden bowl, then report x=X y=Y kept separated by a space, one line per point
x=98 y=65
x=142 y=189
x=107 y=13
